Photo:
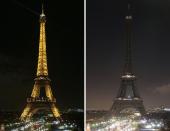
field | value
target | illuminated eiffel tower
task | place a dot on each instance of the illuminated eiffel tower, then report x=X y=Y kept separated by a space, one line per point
x=41 y=97
x=128 y=97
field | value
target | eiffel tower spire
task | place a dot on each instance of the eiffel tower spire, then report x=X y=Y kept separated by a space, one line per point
x=42 y=9
x=128 y=58
x=42 y=69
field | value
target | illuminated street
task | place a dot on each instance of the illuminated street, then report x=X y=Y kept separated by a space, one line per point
x=130 y=123
x=71 y=119
x=39 y=125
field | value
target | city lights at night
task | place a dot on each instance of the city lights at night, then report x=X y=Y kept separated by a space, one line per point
x=130 y=123
x=39 y=125
x=154 y=120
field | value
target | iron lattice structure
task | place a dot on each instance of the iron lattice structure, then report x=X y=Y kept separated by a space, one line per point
x=42 y=96
x=128 y=96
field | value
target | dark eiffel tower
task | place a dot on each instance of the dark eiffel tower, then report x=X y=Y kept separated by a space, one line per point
x=128 y=96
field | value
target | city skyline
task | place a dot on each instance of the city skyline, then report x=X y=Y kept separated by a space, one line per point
x=106 y=45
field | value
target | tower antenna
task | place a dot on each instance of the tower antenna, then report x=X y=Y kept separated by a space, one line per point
x=42 y=8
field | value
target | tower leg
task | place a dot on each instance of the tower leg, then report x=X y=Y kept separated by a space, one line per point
x=35 y=91
x=55 y=111
x=26 y=112
x=48 y=92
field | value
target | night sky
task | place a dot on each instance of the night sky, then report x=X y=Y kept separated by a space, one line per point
x=106 y=50
x=19 y=51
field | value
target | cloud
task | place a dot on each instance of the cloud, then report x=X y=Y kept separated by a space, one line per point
x=164 y=89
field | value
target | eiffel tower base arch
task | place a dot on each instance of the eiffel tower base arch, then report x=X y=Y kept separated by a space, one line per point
x=120 y=105
x=33 y=107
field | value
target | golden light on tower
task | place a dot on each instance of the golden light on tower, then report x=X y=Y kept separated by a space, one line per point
x=42 y=81
x=42 y=69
